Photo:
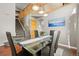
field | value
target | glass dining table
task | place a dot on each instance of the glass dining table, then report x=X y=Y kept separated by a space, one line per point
x=35 y=45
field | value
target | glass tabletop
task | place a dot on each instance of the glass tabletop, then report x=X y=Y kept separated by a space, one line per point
x=36 y=44
x=35 y=47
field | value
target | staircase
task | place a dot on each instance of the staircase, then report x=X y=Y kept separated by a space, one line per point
x=22 y=32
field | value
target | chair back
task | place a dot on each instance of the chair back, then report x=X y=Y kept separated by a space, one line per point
x=56 y=42
x=50 y=45
x=36 y=33
x=9 y=38
x=52 y=34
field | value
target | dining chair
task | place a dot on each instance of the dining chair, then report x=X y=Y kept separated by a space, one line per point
x=51 y=42
x=53 y=45
x=36 y=33
x=13 y=49
x=56 y=41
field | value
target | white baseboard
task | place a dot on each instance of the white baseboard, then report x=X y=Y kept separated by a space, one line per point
x=67 y=46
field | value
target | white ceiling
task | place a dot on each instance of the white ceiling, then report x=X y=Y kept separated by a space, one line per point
x=21 y=6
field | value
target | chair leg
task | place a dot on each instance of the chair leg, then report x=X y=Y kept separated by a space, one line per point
x=50 y=48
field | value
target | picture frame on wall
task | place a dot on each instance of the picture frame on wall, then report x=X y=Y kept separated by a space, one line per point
x=56 y=23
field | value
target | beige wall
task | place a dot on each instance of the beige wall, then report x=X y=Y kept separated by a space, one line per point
x=77 y=43
x=7 y=20
x=65 y=12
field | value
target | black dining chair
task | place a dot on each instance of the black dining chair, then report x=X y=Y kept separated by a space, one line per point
x=36 y=33
x=53 y=46
x=13 y=49
x=56 y=42
x=51 y=42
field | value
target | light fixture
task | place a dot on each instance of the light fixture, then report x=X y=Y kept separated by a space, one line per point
x=41 y=12
x=45 y=15
x=35 y=7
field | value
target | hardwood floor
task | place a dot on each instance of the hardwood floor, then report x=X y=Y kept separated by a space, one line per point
x=6 y=51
